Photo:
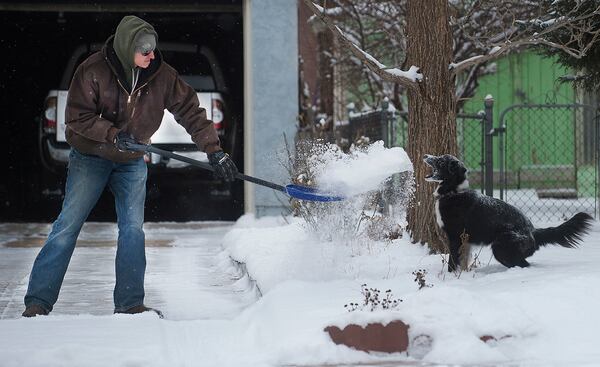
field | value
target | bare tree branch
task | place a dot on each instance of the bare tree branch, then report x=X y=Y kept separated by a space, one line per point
x=408 y=78
x=482 y=30
x=583 y=34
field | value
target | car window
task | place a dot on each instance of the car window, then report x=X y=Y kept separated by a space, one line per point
x=194 y=68
x=77 y=57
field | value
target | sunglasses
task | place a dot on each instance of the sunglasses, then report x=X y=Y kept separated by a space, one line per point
x=146 y=53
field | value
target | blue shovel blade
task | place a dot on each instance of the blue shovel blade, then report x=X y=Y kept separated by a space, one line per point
x=309 y=193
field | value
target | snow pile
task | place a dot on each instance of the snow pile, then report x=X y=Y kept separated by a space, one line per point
x=542 y=315
x=545 y=315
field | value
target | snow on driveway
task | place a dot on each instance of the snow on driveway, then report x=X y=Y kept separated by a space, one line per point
x=188 y=276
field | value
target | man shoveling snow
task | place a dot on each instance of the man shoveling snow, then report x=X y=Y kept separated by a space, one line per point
x=117 y=96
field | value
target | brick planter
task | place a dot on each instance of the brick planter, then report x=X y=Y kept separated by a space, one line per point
x=391 y=338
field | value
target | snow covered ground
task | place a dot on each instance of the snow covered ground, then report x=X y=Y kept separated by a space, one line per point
x=549 y=310
x=186 y=266
x=544 y=315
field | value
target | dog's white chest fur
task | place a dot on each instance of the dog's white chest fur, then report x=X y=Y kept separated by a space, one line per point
x=438 y=214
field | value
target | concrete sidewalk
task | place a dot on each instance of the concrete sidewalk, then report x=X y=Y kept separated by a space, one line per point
x=187 y=275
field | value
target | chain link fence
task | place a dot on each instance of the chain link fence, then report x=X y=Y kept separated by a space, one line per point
x=549 y=160
x=546 y=160
x=470 y=130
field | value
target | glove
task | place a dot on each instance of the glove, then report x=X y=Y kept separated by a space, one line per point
x=122 y=139
x=223 y=165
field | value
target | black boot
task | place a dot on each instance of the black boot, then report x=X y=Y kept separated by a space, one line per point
x=140 y=309
x=34 y=310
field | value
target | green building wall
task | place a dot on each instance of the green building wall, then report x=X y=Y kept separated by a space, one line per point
x=534 y=136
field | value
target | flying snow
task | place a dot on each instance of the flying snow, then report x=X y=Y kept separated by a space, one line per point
x=362 y=170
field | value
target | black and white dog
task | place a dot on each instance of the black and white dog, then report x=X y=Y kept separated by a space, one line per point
x=489 y=221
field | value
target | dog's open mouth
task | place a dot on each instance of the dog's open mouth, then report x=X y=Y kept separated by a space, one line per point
x=429 y=173
x=430 y=170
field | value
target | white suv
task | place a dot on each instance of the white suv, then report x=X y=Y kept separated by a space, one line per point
x=198 y=66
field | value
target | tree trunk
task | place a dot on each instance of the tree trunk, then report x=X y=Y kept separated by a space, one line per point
x=431 y=109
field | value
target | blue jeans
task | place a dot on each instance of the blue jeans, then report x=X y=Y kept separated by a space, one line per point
x=87 y=177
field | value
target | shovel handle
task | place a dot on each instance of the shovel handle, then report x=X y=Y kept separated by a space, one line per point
x=203 y=165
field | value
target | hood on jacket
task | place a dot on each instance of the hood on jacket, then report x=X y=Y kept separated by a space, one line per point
x=128 y=30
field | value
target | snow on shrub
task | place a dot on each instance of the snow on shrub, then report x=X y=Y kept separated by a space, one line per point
x=376 y=181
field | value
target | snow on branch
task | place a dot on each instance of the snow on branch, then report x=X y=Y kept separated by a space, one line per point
x=580 y=29
x=407 y=78
x=494 y=53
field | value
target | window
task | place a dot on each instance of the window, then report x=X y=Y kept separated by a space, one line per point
x=194 y=68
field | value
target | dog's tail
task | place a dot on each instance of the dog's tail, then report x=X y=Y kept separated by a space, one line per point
x=567 y=234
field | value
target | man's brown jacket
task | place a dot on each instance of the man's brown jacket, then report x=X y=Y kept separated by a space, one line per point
x=101 y=103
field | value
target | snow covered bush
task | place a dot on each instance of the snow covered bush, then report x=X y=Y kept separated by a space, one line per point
x=377 y=183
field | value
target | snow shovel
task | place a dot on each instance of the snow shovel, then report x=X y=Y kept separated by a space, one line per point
x=295 y=191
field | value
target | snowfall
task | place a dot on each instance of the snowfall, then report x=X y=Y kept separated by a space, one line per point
x=292 y=277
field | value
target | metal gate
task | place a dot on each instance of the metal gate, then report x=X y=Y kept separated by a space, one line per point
x=548 y=159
